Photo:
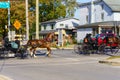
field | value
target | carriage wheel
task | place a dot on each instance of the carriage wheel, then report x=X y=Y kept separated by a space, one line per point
x=77 y=49
x=115 y=50
x=86 y=49
x=102 y=49
x=21 y=53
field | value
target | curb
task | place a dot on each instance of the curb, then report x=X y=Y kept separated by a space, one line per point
x=110 y=62
x=56 y=48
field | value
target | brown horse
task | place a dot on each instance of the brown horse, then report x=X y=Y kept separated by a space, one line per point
x=41 y=43
x=114 y=40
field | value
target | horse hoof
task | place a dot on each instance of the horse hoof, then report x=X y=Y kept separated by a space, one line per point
x=48 y=55
x=35 y=56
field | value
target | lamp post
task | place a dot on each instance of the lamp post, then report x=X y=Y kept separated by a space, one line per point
x=27 y=21
x=37 y=19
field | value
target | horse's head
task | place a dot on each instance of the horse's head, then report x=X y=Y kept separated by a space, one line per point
x=50 y=36
x=113 y=39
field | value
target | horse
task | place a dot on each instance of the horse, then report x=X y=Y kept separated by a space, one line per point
x=41 y=43
x=114 y=40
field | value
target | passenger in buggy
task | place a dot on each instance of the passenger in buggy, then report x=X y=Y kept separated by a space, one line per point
x=88 y=39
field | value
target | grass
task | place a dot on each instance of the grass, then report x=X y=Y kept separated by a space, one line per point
x=113 y=57
x=68 y=46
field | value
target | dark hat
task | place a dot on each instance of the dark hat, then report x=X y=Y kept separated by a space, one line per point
x=90 y=34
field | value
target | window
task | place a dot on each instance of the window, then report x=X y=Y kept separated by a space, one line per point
x=66 y=26
x=102 y=6
x=52 y=26
x=102 y=16
x=87 y=19
x=44 y=27
x=61 y=24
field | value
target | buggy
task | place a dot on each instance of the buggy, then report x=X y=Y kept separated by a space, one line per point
x=11 y=49
x=103 y=44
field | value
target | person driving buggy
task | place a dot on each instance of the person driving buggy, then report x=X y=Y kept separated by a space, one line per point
x=89 y=40
x=6 y=42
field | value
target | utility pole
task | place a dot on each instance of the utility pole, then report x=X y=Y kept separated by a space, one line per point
x=9 y=32
x=37 y=19
x=27 y=21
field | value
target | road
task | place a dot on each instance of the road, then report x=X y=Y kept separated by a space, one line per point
x=62 y=65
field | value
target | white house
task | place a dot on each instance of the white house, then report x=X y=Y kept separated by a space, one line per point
x=98 y=15
x=62 y=27
x=66 y=23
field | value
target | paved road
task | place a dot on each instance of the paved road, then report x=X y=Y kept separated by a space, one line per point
x=62 y=65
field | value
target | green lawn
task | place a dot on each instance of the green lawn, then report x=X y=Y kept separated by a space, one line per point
x=113 y=57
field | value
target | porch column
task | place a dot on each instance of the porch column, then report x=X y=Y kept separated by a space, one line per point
x=99 y=29
x=119 y=30
x=60 y=37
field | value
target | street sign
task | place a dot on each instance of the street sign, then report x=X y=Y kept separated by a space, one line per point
x=4 y=4
x=17 y=24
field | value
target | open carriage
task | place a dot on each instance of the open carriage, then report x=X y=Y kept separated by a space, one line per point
x=104 y=43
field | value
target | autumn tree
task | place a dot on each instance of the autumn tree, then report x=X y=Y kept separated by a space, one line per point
x=17 y=12
x=48 y=10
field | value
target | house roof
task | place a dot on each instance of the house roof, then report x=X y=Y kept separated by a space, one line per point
x=113 y=4
x=47 y=31
x=107 y=24
x=57 y=20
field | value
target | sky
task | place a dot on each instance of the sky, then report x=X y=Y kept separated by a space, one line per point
x=82 y=1
x=77 y=11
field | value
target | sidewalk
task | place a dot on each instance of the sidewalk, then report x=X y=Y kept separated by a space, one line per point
x=2 y=77
x=112 y=61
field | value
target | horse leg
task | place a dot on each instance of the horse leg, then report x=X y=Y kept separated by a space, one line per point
x=48 y=52
x=31 y=53
x=34 y=51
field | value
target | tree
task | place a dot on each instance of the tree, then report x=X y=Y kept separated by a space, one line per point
x=71 y=6
x=51 y=9
x=17 y=11
x=48 y=10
